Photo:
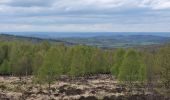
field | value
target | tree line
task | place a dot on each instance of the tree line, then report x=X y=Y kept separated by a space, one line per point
x=47 y=61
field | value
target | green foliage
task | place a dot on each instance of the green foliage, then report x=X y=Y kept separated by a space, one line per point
x=5 y=68
x=97 y=62
x=29 y=59
x=47 y=61
x=108 y=59
x=143 y=73
x=164 y=61
x=52 y=66
x=118 y=58
x=78 y=61
x=129 y=71
x=38 y=60
x=21 y=59
x=150 y=69
x=3 y=52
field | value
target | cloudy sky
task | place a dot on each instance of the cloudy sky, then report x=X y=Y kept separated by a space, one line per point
x=85 y=15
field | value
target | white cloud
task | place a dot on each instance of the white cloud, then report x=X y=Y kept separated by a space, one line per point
x=162 y=4
x=4 y=1
x=102 y=4
x=82 y=15
x=14 y=27
x=156 y=4
x=85 y=28
x=78 y=6
x=96 y=4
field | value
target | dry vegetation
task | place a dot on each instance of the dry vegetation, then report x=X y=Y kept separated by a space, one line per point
x=81 y=88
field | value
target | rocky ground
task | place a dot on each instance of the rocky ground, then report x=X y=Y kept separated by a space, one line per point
x=99 y=87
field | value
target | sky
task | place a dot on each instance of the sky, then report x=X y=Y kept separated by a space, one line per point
x=84 y=15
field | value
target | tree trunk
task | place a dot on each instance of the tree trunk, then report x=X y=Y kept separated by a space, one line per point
x=49 y=87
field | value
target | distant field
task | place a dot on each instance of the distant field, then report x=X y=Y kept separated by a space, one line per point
x=108 y=40
x=119 y=41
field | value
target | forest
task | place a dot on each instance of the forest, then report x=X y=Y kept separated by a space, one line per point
x=46 y=62
x=45 y=59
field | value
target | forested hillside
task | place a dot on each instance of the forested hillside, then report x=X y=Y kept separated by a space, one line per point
x=47 y=62
x=45 y=59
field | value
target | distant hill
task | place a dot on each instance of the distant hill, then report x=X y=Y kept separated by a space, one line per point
x=55 y=35
x=123 y=41
x=112 y=41
x=7 y=37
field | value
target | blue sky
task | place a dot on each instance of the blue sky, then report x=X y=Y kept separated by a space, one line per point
x=85 y=15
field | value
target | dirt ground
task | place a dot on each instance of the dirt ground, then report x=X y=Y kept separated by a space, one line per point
x=99 y=87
